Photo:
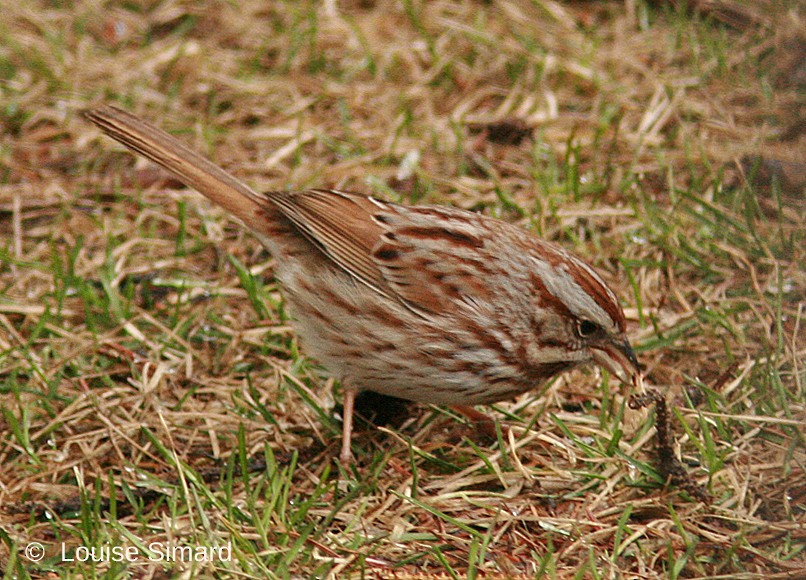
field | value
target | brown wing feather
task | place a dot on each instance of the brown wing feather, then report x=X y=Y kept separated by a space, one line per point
x=423 y=258
x=340 y=224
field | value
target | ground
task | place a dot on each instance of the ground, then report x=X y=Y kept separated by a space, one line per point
x=152 y=391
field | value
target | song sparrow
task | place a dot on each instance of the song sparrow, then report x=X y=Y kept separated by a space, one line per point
x=425 y=303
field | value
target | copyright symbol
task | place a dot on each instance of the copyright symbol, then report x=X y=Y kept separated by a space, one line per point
x=34 y=551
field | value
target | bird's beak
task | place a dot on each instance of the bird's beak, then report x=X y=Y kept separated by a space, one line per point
x=617 y=356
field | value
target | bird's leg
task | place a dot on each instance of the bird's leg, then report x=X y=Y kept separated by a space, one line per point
x=346 y=455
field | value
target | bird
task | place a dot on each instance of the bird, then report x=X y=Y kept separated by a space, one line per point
x=427 y=303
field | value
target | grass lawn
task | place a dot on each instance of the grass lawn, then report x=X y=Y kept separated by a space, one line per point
x=157 y=416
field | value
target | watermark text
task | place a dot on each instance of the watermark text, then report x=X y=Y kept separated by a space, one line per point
x=153 y=552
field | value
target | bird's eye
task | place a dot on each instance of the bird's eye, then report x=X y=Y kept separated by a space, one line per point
x=587 y=328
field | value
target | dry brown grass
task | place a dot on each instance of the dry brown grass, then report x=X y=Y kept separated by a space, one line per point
x=152 y=390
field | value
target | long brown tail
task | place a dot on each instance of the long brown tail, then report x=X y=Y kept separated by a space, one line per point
x=188 y=166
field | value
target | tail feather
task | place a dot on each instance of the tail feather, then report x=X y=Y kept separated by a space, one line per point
x=189 y=167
